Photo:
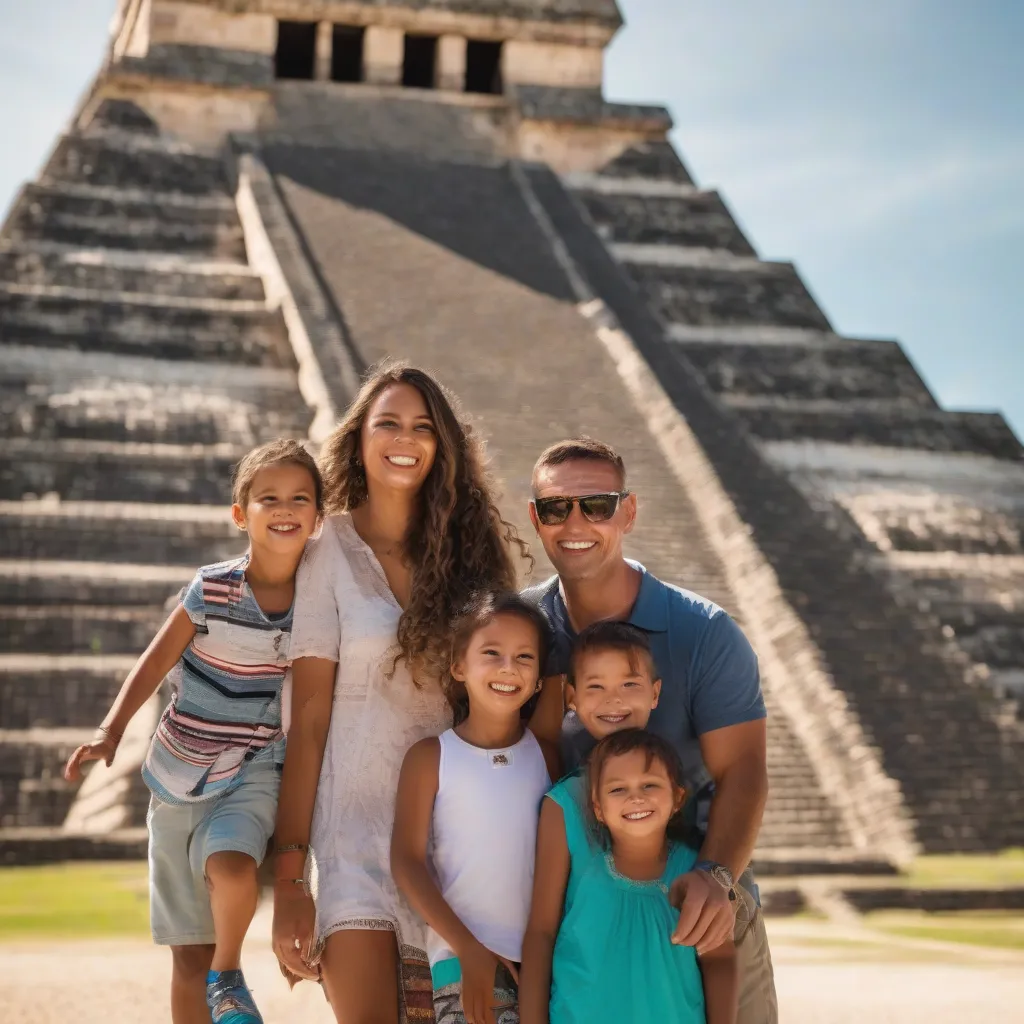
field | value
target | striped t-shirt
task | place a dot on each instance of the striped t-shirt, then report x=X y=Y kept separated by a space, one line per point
x=225 y=710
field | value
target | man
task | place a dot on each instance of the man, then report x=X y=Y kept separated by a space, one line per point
x=711 y=707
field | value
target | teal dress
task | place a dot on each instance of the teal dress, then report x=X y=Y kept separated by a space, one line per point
x=613 y=959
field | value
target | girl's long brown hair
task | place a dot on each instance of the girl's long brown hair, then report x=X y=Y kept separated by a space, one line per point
x=483 y=608
x=459 y=542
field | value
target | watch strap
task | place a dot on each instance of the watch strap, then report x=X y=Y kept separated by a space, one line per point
x=717 y=871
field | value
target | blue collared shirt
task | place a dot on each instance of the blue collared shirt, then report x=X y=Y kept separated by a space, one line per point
x=709 y=673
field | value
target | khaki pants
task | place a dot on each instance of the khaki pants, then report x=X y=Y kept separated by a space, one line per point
x=757 y=1001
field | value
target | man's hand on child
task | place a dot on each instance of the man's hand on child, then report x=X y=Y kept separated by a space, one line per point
x=102 y=749
x=479 y=973
x=706 y=914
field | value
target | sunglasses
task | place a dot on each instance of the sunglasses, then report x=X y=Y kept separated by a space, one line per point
x=596 y=508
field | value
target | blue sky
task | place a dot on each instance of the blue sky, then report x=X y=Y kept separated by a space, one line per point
x=878 y=143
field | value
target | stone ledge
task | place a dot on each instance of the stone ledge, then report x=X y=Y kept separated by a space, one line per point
x=114 y=193
x=587 y=106
x=934 y=900
x=202 y=65
x=25 y=846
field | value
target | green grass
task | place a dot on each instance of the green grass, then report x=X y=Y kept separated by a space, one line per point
x=966 y=870
x=74 y=901
x=1000 y=929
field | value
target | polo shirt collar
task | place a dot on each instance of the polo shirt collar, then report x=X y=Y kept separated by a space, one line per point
x=650 y=610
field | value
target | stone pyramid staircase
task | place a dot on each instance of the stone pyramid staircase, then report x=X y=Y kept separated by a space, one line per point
x=138 y=360
x=391 y=235
x=896 y=527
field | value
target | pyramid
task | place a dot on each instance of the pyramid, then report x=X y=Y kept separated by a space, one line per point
x=256 y=201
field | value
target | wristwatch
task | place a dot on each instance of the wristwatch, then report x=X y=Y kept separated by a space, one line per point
x=720 y=873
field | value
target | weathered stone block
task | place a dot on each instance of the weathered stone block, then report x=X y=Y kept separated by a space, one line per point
x=149 y=328
x=700 y=220
x=773 y=294
x=833 y=372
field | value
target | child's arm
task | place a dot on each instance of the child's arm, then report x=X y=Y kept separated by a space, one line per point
x=546 y=721
x=160 y=657
x=721 y=983
x=550 y=877
x=552 y=757
x=414 y=808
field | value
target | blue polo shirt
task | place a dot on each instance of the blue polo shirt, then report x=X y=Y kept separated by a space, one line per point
x=709 y=674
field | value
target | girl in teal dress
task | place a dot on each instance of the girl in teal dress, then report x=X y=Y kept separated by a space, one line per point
x=601 y=900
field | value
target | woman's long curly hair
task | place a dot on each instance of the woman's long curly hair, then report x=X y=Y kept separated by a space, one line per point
x=459 y=542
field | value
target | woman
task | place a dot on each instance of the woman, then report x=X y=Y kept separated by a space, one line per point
x=411 y=531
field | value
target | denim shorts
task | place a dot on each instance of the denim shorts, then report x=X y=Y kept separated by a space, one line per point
x=181 y=838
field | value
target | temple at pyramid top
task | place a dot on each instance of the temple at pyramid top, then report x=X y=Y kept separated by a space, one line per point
x=545 y=56
x=479 y=45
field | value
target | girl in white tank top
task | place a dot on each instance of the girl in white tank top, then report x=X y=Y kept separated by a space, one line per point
x=465 y=831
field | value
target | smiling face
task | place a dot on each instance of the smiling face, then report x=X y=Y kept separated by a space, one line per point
x=500 y=667
x=578 y=548
x=280 y=511
x=635 y=796
x=399 y=441
x=612 y=690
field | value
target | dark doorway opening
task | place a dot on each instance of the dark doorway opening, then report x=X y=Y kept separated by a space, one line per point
x=296 y=49
x=347 y=53
x=483 y=66
x=419 y=67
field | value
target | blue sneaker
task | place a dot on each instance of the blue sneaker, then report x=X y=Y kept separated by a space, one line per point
x=229 y=999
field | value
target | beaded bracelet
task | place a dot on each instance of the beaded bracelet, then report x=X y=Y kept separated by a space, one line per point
x=291 y=848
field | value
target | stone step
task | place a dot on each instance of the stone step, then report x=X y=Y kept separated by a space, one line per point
x=117 y=532
x=78 y=629
x=802 y=860
x=699 y=219
x=656 y=160
x=795 y=799
x=119 y=271
x=101 y=409
x=999 y=645
x=24 y=582
x=67 y=198
x=32 y=787
x=110 y=471
x=130 y=220
x=127 y=160
x=122 y=115
x=53 y=845
x=880 y=422
x=799 y=828
x=47 y=691
x=827 y=371
x=183 y=330
x=956 y=504
x=748 y=293
x=105 y=396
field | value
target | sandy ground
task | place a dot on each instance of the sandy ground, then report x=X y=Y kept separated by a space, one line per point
x=824 y=975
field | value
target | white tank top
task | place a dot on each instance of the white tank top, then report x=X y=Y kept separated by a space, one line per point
x=485 y=839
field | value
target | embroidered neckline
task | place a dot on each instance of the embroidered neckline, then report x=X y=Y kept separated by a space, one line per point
x=646 y=885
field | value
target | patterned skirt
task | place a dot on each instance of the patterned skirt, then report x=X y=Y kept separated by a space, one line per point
x=415 y=990
x=448 y=1000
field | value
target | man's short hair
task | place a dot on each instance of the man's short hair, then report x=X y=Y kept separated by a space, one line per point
x=614 y=636
x=581 y=449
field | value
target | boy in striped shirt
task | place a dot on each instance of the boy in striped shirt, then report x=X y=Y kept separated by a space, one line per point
x=213 y=767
